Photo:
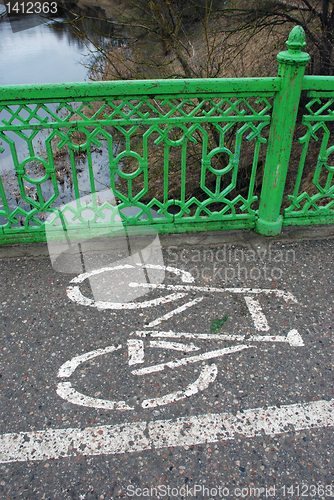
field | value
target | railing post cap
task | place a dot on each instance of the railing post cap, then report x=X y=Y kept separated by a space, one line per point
x=296 y=39
x=294 y=54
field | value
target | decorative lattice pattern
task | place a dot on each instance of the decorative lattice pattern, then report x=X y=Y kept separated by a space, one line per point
x=313 y=194
x=178 y=160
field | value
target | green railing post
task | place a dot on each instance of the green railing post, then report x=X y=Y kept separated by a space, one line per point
x=291 y=69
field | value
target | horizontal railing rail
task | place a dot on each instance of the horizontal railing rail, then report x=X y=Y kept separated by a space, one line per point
x=13 y=94
x=181 y=155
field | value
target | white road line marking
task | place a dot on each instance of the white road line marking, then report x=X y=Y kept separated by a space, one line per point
x=139 y=436
x=191 y=359
x=249 y=423
x=177 y=346
x=74 y=294
x=207 y=376
x=68 y=368
x=135 y=351
x=260 y=321
x=172 y=313
x=287 y=296
x=293 y=338
x=67 y=392
x=177 y=335
x=185 y=275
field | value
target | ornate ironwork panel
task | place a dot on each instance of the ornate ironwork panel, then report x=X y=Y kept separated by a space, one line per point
x=313 y=195
x=169 y=160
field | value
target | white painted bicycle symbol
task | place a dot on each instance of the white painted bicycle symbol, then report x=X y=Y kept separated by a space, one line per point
x=150 y=337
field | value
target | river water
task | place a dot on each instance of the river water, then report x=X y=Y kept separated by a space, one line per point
x=46 y=53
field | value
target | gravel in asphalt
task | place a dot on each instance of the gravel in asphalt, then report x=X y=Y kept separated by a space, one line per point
x=42 y=329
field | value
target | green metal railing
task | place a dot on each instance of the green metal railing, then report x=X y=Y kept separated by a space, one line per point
x=189 y=155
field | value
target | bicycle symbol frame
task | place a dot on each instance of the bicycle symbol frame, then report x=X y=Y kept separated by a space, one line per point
x=157 y=339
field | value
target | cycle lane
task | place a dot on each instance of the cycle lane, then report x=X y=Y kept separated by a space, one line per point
x=273 y=375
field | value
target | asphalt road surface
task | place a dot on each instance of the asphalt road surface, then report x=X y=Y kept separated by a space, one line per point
x=215 y=383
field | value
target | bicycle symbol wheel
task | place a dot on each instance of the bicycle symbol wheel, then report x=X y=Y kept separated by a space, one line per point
x=135 y=355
